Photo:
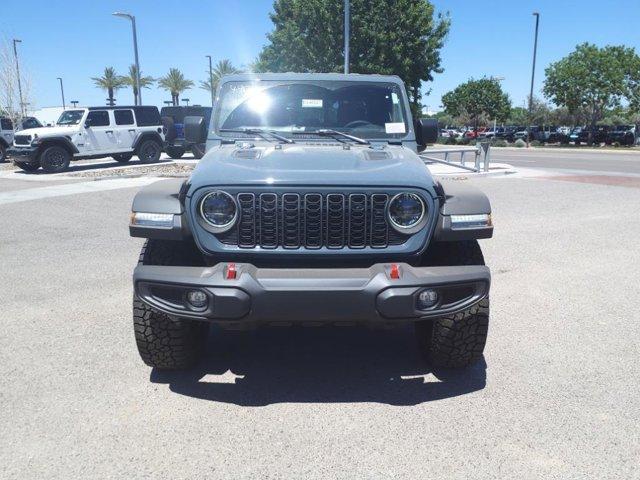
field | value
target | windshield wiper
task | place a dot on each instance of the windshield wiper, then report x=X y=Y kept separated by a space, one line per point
x=326 y=132
x=258 y=131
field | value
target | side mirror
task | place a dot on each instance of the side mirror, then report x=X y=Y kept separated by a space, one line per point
x=426 y=131
x=195 y=129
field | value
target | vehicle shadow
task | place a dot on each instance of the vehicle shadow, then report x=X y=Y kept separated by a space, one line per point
x=321 y=364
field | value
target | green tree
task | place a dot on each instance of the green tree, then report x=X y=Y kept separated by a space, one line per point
x=476 y=101
x=175 y=83
x=130 y=80
x=399 y=37
x=220 y=69
x=593 y=79
x=540 y=114
x=111 y=82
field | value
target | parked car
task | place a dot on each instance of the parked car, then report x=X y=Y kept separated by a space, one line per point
x=622 y=134
x=473 y=133
x=93 y=132
x=310 y=206
x=507 y=133
x=173 y=122
x=598 y=135
x=7 y=132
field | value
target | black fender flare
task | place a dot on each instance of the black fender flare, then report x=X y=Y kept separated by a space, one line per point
x=164 y=196
x=64 y=142
x=142 y=136
x=460 y=198
x=4 y=143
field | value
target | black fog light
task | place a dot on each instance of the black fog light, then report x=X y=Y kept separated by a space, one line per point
x=427 y=298
x=197 y=299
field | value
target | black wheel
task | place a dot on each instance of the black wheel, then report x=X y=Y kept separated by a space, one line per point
x=55 y=159
x=198 y=150
x=163 y=342
x=122 y=157
x=149 y=151
x=455 y=340
x=3 y=153
x=27 y=167
x=174 y=152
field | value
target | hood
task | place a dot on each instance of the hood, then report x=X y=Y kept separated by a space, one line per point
x=47 y=131
x=303 y=164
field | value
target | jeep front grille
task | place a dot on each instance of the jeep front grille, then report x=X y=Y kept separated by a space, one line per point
x=312 y=221
x=22 y=139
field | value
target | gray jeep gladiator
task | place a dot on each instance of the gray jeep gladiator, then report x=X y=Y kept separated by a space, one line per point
x=311 y=206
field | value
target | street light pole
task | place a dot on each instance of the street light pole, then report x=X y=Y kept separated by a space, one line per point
x=15 y=53
x=346 y=34
x=533 y=74
x=138 y=99
x=211 y=79
x=62 y=92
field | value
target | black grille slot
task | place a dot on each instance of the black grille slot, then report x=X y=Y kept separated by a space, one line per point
x=291 y=220
x=268 y=220
x=22 y=139
x=313 y=220
x=335 y=220
x=357 y=220
x=247 y=223
x=379 y=228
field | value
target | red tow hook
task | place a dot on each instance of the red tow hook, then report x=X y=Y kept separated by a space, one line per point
x=395 y=272
x=231 y=271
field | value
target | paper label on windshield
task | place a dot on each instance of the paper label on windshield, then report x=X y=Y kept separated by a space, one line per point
x=311 y=103
x=395 y=127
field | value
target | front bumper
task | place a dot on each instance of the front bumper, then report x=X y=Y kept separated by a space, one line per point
x=259 y=295
x=23 y=154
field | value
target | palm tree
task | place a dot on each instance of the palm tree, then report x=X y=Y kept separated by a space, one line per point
x=223 y=67
x=109 y=81
x=175 y=83
x=130 y=81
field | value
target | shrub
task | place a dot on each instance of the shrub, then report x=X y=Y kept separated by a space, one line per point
x=535 y=143
x=499 y=143
x=442 y=140
x=466 y=140
x=452 y=141
x=520 y=143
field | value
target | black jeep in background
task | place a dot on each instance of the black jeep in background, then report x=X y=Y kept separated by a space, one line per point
x=622 y=135
x=173 y=122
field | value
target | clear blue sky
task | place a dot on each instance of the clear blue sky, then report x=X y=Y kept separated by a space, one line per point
x=77 y=39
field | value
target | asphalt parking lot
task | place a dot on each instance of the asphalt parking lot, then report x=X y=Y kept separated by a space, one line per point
x=557 y=395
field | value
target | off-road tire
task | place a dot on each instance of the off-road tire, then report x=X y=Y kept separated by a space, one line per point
x=54 y=159
x=27 y=167
x=149 y=151
x=198 y=150
x=174 y=152
x=458 y=340
x=163 y=342
x=122 y=157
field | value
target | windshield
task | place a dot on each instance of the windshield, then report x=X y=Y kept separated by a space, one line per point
x=70 y=117
x=367 y=110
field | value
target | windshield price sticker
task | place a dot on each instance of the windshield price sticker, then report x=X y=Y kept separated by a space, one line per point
x=311 y=103
x=395 y=127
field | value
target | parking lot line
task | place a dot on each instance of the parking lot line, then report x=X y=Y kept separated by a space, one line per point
x=73 y=189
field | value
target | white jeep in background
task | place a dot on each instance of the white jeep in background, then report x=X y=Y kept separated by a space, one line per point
x=93 y=132
x=7 y=132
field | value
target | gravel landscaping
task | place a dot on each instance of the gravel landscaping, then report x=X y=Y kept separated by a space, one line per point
x=173 y=169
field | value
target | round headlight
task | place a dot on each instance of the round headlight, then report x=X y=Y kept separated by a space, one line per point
x=219 y=210
x=406 y=210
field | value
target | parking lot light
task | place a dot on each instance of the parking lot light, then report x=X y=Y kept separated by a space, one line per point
x=138 y=99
